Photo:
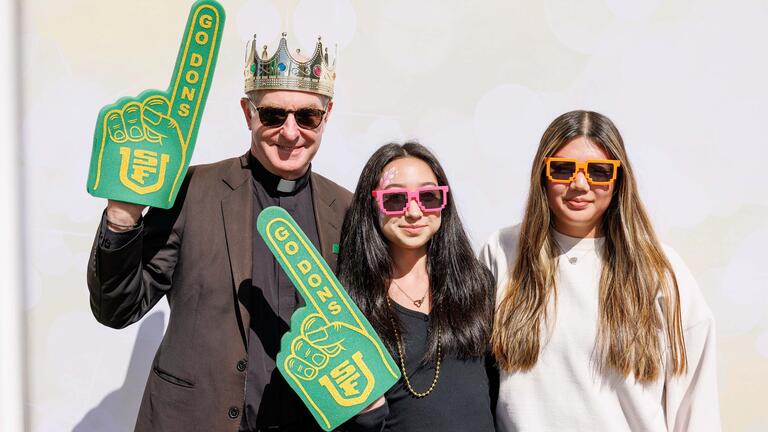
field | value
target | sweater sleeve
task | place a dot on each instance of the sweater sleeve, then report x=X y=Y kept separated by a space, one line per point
x=498 y=254
x=692 y=402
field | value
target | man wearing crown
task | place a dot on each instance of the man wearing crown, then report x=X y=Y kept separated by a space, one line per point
x=230 y=303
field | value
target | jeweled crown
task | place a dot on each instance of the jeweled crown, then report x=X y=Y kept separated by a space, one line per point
x=282 y=71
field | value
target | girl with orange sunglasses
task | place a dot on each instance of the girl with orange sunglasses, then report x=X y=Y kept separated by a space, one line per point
x=598 y=326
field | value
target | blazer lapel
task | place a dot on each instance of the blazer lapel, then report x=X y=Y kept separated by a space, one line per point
x=237 y=211
x=329 y=216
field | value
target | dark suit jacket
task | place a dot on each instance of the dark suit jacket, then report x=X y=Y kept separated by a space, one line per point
x=199 y=255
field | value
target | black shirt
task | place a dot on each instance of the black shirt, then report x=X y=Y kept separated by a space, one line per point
x=459 y=402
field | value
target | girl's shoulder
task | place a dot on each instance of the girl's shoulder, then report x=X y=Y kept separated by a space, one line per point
x=503 y=241
x=499 y=252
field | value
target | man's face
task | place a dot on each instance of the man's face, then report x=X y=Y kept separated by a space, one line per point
x=287 y=149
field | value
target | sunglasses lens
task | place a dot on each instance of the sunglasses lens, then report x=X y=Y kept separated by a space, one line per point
x=272 y=116
x=309 y=118
x=561 y=170
x=394 y=201
x=431 y=199
x=600 y=172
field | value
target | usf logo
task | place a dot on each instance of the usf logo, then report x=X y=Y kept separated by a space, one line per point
x=142 y=145
x=331 y=356
x=142 y=171
x=343 y=381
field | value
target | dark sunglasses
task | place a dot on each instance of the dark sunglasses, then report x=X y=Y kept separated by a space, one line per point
x=307 y=118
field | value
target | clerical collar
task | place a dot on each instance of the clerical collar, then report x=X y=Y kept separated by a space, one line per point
x=274 y=183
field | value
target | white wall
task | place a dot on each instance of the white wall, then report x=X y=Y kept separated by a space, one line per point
x=478 y=82
x=12 y=377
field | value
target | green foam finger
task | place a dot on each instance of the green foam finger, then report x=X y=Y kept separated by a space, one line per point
x=195 y=64
x=142 y=146
x=331 y=357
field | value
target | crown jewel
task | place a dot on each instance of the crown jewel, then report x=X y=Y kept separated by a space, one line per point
x=283 y=71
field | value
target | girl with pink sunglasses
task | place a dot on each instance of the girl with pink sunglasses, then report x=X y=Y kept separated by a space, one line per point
x=408 y=264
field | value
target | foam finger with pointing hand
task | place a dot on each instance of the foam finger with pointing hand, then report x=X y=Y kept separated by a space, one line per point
x=142 y=146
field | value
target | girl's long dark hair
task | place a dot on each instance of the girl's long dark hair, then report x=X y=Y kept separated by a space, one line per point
x=462 y=287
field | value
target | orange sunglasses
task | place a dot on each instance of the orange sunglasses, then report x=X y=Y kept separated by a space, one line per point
x=597 y=171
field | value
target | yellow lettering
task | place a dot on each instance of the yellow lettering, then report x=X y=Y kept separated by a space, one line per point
x=324 y=294
x=201 y=38
x=183 y=110
x=141 y=172
x=192 y=77
x=196 y=60
x=291 y=248
x=145 y=157
x=314 y=280
x=347 y=379
x=188 y=94
x=281 y=233
x=334 y=308
x=143 y=164
x=304 y=266
x=205 y=21
x=346 y=376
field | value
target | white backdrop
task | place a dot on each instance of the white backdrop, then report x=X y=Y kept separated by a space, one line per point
x=11 y=303
x=478 y=82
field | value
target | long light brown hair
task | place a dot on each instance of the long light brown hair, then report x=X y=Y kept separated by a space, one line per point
x=632 y=335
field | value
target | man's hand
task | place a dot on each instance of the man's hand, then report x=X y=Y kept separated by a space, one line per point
x=122 y=216
x=142 y=145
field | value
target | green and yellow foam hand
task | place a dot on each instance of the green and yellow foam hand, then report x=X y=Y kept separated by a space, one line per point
x=142 y=145
x=331 y=356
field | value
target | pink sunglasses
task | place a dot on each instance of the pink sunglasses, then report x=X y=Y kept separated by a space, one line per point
x=394 y=201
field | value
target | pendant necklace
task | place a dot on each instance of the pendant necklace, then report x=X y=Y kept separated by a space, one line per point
x=573 y=260
x=416 y=303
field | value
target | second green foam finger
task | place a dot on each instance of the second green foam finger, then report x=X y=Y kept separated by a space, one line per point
x=331 y=357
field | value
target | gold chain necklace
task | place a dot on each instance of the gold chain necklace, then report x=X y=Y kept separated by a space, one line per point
x=401 y=353
x=416 y=303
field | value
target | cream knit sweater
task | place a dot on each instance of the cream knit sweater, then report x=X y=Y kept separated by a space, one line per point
x=565 y=391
